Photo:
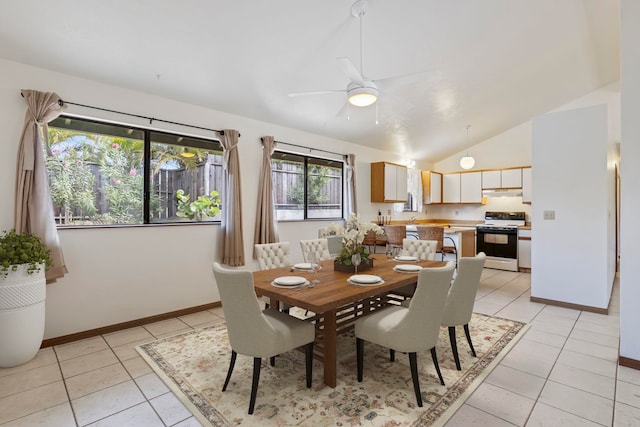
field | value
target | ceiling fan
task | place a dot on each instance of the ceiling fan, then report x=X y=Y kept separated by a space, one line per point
x=361 y=92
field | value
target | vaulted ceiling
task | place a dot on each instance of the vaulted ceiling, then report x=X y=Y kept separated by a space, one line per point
x=492 y=64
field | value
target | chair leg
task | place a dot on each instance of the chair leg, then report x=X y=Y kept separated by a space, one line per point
x=231 y=365
x=272 y=361
x=392 y=355
x=435 y=363
x=308 y=352
x=454 y=346
x=413 y=363
x=257 y=362
x=466 y=332
x=360 y=357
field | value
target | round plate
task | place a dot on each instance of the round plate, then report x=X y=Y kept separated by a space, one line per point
x=365 y=278
x=302 y=266
x=411 y=268
x=406 y=258
x=289 y=280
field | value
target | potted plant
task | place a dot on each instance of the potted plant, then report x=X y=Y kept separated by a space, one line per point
x=23 y=261
x=206 y=206
x=353 y=235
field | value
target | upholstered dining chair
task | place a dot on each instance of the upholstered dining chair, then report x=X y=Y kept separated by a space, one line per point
x=273 y=255
x=257 y=333
x=409 y=329
x=460 y=300
x=421 y=249
x=319 y=246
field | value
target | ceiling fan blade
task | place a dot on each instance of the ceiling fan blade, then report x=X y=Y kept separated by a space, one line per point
x=350 y=70
x=315 y=92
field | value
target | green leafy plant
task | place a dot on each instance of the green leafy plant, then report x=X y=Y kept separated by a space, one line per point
x=16 y=249
x=208 y=204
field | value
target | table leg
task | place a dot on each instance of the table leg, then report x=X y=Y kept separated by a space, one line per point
x=330 y=351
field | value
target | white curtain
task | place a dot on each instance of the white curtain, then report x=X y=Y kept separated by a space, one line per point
x=414 y=177
x=350 y=193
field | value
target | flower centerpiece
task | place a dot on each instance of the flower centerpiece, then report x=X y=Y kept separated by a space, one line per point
x=353 y=234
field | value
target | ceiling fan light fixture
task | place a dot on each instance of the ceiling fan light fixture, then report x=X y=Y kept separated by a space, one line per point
x=362 y=96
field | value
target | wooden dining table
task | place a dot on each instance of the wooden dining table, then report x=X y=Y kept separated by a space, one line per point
x=335 y=302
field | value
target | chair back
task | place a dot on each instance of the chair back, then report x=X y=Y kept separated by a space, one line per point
x=419 y=328
x=273 y=255
x=395 y=234
x=422 y=249
x=249 y=332
x=428 y=232
x=319 y=246
x=462 y=294
x=335 y=245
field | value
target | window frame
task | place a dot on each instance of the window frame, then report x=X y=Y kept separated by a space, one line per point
x=305 y=162
x=181 y=140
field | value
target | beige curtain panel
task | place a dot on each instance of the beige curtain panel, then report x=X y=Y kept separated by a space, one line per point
x=352 y=207
x=266 y=226
x=33 y=208
x=232 y=240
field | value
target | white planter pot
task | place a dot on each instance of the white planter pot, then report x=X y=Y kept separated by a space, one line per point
x=22 y=311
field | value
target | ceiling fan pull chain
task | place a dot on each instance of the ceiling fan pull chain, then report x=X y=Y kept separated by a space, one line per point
x=376 y=113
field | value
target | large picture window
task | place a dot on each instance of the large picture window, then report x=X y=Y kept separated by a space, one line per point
x=306 y=187
x=104 y=174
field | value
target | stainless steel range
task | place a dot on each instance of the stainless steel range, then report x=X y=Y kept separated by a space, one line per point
x=498 y=239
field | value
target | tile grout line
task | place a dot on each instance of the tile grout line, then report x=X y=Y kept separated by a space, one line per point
x=66 y=389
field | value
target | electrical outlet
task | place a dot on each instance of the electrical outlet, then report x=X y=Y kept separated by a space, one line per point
x=550 y=215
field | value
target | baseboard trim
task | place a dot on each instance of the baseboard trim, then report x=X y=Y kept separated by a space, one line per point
x=50 y=342
x=628 y=362
x=570 y=305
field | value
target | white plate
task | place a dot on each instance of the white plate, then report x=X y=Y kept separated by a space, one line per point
x=407 y=268
x=365 y=278
x=289 y=280
x=306 y=282
x=365 y=284
x=405 y=258
x=302 y=266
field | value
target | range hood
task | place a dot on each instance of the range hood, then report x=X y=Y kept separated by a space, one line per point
x=503 y=192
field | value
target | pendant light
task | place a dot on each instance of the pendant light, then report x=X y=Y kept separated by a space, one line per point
x=467 y=162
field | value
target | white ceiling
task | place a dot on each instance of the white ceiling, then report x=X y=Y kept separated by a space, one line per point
x=492 y=64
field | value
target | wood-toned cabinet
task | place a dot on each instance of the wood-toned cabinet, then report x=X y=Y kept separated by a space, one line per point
x=388 y=182
x=471 y=187
x=527 y=178
x=431 y=187
x=504 y=178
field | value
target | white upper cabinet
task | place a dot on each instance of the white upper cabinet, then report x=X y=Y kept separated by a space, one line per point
x=527 y=178
x=471 y=187
x=451 y=188
x=505 y=178
x=388 y=182
x=431 y=187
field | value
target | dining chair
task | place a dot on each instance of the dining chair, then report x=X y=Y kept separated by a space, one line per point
x=421 y=249
x=319 y=246
x=460 y=300
x=257 y=333
x=409 y=329
x=430 y=232
x=273 y=255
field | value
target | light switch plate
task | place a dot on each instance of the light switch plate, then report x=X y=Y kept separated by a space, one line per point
x=550 y=215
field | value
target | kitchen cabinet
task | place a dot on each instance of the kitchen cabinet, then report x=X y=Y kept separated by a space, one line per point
x=388 y=182
x=431 y=187
x=505 y=178
x=524 y=250
x=451 y=188
x=471 y=187
x=527 y=178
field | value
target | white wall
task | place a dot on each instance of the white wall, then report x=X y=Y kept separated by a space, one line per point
x=120 y=274
x=630 y=181
x=570 y=258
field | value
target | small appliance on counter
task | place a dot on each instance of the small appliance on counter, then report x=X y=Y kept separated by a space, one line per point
x=498 y=239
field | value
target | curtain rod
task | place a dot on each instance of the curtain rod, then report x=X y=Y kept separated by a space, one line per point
x=151 y=119
x=308 y=148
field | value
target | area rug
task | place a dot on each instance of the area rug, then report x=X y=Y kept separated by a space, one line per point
x=194 y=365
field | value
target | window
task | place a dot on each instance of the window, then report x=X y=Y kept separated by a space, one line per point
x=103 y=173
x=306 y=187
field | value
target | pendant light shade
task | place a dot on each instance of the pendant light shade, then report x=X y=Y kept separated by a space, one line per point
x=467 y=162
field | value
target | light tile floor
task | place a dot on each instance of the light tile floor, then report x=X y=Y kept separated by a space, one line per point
x=562 y=372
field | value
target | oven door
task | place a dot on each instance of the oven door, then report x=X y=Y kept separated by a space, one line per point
x=497 y=242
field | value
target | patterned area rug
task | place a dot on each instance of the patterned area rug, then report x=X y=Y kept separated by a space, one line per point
x=194 y=365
